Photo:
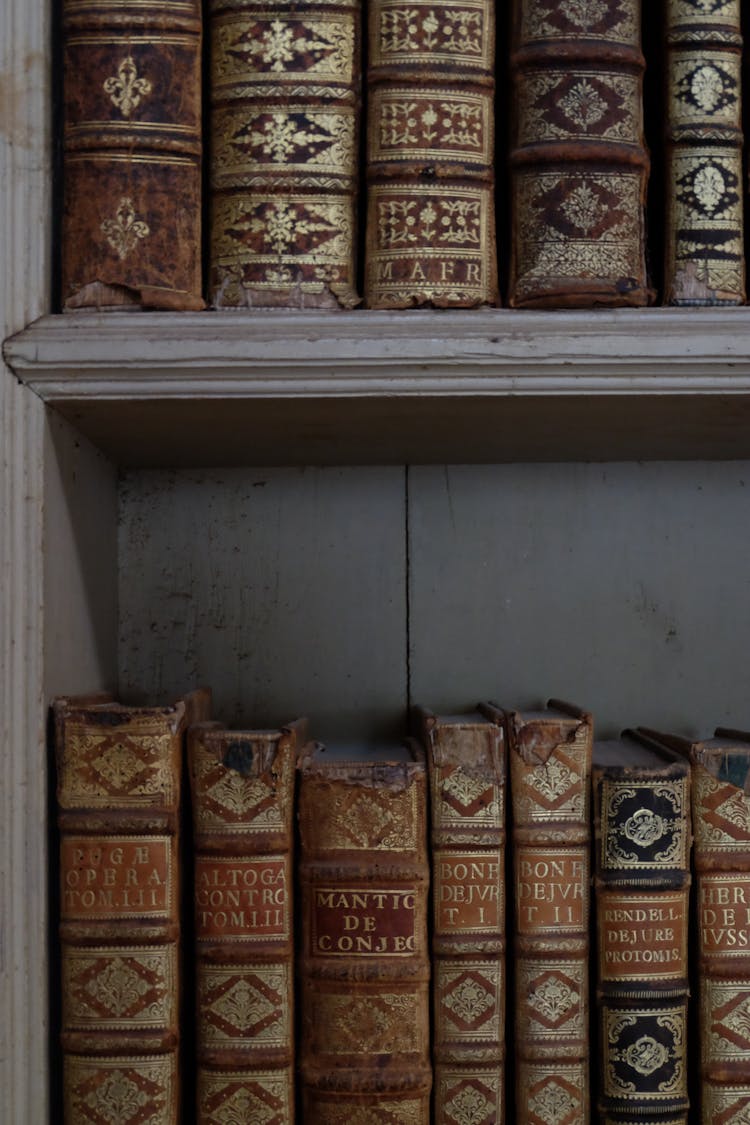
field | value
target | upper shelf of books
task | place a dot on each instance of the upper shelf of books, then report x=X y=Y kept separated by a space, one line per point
x=392 y=387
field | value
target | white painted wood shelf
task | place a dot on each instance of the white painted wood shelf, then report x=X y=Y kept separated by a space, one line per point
x=303 y=387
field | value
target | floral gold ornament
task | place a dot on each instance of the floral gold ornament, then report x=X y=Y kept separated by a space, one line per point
x=125 y=230
x=127 y=89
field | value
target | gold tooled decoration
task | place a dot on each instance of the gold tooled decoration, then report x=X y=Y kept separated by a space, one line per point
x=126 y=89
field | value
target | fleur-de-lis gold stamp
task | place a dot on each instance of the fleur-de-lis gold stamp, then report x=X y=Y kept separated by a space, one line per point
x=124 y=232
x=126 y=88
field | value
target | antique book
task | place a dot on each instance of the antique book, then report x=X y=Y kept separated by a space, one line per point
x=549 y=754
x=466 y=770
x=721 y=854
x=118 y=803
x=430 y=225
x=364 y=963
x=579 y=165
x=131 y=222
x=642 y=836
x=242 y=785
x=704 y=258
x=285 y=100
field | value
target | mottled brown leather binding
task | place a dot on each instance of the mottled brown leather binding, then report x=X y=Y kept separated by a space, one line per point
x=242 y=785
x=364 y=961
x=118 y=802
x=285 y=88
x=704 y=263
x=549 y=755
x=578 y=162
x=466 y=769
x=721 y=822
x=642 y=836
x=131 y=226
x=430 y=226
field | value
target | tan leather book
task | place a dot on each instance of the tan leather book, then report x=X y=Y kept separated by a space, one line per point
x=704 y=260
x=642 y=838
x=549 y=754
x=242 y=785
x=579 y=165
x=285 y=100
x=131 y=223
x=466 y=768
x=118 y=803
x=721 y=852
x=430 y=224
x=364 y=964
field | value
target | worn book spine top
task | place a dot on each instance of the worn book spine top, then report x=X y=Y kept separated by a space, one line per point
x=704 y=263
x=131 y=225
x=364 y=963
x=285 y=100
x=466 y=766
x=118 y=800
x=642 y=880
x=550 y=760
x=242 y=785
x=579 y=165
x=430 y=227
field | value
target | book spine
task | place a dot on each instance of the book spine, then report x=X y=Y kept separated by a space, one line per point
x=704 y=262
x=285 y=98
x=430 y=225
x=466 y=763
x=550 y=763
x=364 y=963
x=579 y=166
x=131 y=225
x=721 y=814
x=642 y=879
x=118 y=802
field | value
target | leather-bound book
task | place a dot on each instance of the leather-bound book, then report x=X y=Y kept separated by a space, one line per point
x=642 y=836
x=466 y=768
x=549 y=754
x=704 y=261
x=242 y=785
x=364 y=962
x=579 y=166
x=721 y=854
x=430 y=226
x=118 y=803
x=131 y=224
x=285 y=83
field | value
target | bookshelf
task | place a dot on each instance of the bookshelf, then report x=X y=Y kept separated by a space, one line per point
x=254 y=467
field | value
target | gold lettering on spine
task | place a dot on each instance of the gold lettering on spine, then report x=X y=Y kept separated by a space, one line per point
x=117 y=877
x=551 y=889
x=468 y=894
x=642 y=937
x=724 y=915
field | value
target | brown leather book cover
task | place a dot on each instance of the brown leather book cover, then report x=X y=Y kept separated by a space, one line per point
x=285 y=101
x=430 y=225
x=364 y=964
x=131 y=225
x=721 y=852
x=466 y=769
x=642 y=837
x=118 y=803
x=704 y=261
x=579 y=165
x=549 y=754
x=242 y=785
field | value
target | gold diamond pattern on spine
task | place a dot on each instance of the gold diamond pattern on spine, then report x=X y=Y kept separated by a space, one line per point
x=729 y=1105
x=284 y=109
x=245 y=1006
x=126 y=989
x=122 y=1091
x=227 y=1097
x=554 y=1095
x=704 y=255
x=469 y=1095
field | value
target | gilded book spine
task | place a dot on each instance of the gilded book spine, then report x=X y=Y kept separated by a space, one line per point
x=705 y=262
x=579 y=166
x=466 y=765
x=364 y=963
x=242 y=786
x=430 y=227
x=550 y=760
x=131 y=228
x=118 y=801
x=642 y=878
x=285 y=93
